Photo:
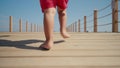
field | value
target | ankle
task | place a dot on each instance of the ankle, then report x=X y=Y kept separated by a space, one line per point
x=65 y=34
x=63 y=30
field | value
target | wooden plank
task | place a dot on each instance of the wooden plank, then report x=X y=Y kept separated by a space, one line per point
x=60 y=53
x=61 y=61
x=62 y=67
x=82 y=50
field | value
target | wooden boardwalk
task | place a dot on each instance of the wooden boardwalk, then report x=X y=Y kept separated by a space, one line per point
x=82 y=50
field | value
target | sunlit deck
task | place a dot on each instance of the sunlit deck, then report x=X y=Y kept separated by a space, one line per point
x=82 y=50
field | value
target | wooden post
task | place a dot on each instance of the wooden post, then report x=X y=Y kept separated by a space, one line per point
x=67 y=29
x=26 y=26
x=75 y=26
x=114 y=15
x=39 y=28
x=84 y=23
x=20 y=25
x=71 y=28
x=95 y=20
x=31 y=27
x=34 y=27
x=79 y=25
x=10 y=23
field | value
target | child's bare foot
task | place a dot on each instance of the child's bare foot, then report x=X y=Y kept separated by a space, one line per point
x=47 y=45
x=65 y=35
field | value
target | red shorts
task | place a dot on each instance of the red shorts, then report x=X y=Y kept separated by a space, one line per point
x=45 y=4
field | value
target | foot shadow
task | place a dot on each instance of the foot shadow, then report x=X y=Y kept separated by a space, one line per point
x=22 y=44
x=4 y=36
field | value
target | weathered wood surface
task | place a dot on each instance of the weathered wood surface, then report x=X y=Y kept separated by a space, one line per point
x=82 y=50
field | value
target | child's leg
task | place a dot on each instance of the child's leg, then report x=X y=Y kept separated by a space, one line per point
x=62 y=20
x=48 y=27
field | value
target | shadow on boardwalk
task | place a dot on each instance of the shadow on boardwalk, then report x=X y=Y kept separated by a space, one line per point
x=4 y=36
x=22 y=43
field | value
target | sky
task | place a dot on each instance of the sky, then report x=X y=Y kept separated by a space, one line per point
x=29 y=10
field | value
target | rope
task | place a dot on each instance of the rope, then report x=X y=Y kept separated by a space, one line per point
x=4 y=16
x=118 y=21
x=4 y=21
x=105 y=24
x=104 y=8
x=82 y=24
x=104 y=16
x=4 y=26
x=118 y=10
x=90 y=15
x=89 y=26
x=90 y=21
x=82 y=28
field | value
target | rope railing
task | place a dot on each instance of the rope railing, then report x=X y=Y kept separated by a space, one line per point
x=3 y=16
x=3 y=20
x=104 y=8
x=105 y=24
x=4 y=23
x=90 y=15
x=81 y=28
x=89 y=21
x=118 y=10
x=13 y=24
x=118 y=21
x=105 y=16
x=89 y=26
x=99 y=11
x=111 y=15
